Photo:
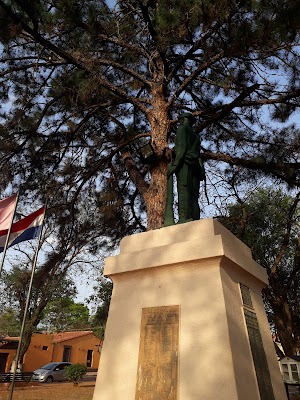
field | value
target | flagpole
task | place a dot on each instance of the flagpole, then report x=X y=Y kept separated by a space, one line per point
x=8 y=234
x=12 y=385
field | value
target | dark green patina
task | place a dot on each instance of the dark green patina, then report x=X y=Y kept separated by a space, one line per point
x=188 y=167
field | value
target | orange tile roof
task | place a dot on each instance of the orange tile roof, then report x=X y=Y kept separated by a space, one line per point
x=12 y=338
x=62 y=336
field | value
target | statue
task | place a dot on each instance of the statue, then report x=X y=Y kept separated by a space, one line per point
x=189 y=170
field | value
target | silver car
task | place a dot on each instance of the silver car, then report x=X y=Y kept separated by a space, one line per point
x=51 y=372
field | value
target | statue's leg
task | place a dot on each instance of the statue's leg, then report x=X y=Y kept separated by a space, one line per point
x=169 y=215
x=184 y=195
x=195 y=209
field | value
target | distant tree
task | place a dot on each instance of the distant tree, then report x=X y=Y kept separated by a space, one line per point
x=64 y=249
x=101 y=297
x=63 y=313
x=268 y=222
x=9 y=323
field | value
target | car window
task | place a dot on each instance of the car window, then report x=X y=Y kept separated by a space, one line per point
x=63 y=366
x=49 y=366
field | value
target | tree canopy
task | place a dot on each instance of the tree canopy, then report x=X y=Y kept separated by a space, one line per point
x=63 y=258
x=9 y=323
x=101 y=297
x=84 y=86
x=64 y=313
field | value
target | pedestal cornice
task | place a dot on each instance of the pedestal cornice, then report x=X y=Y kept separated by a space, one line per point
x=179 y=244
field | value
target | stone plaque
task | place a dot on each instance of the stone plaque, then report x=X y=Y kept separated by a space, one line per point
x=157 y=374
x=246 y=296
x=259 y=357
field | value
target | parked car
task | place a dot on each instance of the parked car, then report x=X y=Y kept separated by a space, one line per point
x=51 y=372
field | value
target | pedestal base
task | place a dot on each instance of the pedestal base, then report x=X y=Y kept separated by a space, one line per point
x=186 y=320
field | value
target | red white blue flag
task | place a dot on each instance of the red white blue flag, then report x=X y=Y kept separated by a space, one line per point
x=25 y=229
x=7 y=209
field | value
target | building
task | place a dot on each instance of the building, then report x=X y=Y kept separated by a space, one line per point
x=82 y=347
x=290 y=369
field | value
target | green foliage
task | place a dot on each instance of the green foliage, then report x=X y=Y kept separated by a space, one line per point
x=101 y=298
x=268 y=222
x=9 y=323
x=51 y=281
x=63 y=313
x=16 y=283
x=75 y=372
x=261 y=222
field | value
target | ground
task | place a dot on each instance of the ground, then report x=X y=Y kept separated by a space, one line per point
x=66 y=391
x=53 y=391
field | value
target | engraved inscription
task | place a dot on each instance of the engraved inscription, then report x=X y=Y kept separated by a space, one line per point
x=157 y=373
x=246 y=295
x=259 y=357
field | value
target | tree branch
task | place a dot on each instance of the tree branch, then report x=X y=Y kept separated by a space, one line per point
x=134 y=173
x=124 y=69
x=281 y=99
x=193 y=76
x=188 y=55
x=272 y=168
x=228 y=107
x=28 y=66
x=70 y=58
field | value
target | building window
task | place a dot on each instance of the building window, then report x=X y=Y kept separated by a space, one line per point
x=285 y=372
x=67 y=354
x=290 y=372
x=3 y=361
x=89 y=358
x=295 y=374
x=45 y=348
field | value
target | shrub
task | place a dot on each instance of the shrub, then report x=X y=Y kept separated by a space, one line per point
x=75 y=372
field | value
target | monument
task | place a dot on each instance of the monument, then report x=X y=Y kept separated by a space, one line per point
x=186 y=319
x=188 y=167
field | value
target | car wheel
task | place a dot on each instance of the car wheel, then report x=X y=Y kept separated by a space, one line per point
x=49 y=379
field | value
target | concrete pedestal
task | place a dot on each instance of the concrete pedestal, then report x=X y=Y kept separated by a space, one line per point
x=199 y=268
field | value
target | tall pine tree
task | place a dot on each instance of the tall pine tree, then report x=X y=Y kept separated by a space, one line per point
x=84 y=85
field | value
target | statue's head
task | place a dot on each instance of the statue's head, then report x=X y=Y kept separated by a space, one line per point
x=189 y=116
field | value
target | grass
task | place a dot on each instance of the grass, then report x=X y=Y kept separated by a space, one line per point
x=55 y=391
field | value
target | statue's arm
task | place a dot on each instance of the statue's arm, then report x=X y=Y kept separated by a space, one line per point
x=180 y=149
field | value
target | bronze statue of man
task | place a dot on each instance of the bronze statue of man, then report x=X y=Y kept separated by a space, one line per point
x=189 y=170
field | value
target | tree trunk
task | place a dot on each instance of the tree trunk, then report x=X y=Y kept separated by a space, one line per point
x=283 y=319
x=156 y=195
x=27 y=334
x=286 y=337
x=30 y=326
